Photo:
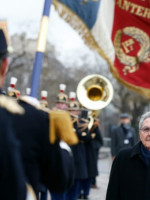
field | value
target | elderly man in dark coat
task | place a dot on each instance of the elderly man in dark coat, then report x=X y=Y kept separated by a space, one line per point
x=130 y=173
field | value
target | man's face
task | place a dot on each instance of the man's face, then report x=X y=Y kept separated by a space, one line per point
x=3 y=70
x=145 y=133
x=125 y=120
x=62 y=106
x=75 y=112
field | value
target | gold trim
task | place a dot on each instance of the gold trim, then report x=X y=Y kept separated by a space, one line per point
x=31 y=192
x=10 y=105
x=41 y=44
x=139 y=90
x=69 y=16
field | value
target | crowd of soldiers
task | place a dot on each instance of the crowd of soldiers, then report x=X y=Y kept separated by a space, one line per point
x=45 y=149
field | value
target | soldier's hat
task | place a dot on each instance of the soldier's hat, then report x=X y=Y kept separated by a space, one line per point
x=73 y=104
x=62 y=97
x=28 y=91
x=12 y=92
x=124 y=115
x=4 y=40
x=44 y=102
x=3 y=45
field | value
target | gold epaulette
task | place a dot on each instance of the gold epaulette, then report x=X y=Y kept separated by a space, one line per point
x=10 y=105
x=61 y=128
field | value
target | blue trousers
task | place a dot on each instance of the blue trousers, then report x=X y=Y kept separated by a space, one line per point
x=43 y=195
x=85 y=186
x=58 y=196
x=74 y=191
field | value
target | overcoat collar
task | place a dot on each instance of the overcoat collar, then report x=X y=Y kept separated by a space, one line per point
x=136 y=150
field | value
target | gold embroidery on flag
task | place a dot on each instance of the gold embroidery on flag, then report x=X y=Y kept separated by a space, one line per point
x=132 y=62
x=133 y=8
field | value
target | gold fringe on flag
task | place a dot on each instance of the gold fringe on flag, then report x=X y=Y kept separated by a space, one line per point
x=77 y=24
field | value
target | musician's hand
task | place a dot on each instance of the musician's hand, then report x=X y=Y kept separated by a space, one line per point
x=93 y=135
x=83 y=134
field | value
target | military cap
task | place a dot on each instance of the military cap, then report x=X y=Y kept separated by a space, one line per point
x=28 y=91
x=124 y=115
x=73 y=104
x=3 y=45
x=62 y=97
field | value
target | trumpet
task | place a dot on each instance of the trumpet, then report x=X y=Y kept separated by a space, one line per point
x=94 y=92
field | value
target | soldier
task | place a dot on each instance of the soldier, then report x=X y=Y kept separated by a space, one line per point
x=12 y=178
x=46 y=159
x=61 y=104
x=62 y=99
x=44 y=102
x=28 y=91
x=12 y=92
x=97 y=140
x=93 y=134
x=78 y=150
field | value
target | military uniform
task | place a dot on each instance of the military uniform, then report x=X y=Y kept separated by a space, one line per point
x=61 y=104
x=43 y=101
x=92 y=133
x=97 y=143
x=12 y=179
x=43 y=162
x=12 y=92
x=78 y=150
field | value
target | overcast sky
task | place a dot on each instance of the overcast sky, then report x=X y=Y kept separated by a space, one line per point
x=25 y=16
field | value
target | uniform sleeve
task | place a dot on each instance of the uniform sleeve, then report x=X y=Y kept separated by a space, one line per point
x=113 y=142
x=114 y=182
x=58 y=168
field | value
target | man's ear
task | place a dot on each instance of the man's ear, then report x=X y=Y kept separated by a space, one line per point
x=4 y=67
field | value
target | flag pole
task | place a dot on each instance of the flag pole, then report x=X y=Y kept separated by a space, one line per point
x=41 y=46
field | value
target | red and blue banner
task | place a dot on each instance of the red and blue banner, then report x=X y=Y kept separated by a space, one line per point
x=131 y=40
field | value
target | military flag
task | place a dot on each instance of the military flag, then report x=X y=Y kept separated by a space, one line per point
x=119 y=31
x=83 y=16
x=131 y=40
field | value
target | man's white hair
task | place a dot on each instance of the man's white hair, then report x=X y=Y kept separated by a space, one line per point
x=143 y=117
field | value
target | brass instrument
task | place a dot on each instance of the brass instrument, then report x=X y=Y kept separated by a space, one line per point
x=94 y=92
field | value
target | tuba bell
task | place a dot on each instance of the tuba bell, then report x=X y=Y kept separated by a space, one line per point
x=94 y=92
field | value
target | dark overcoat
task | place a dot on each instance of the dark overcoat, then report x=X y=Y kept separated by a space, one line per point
x=120 y=140
x=130 y=177
x=79 y=154
x=91 y=157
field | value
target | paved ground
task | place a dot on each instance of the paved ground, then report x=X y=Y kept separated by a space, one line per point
x=104 y=166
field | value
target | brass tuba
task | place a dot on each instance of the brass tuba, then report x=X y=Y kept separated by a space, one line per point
x=94 y=92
